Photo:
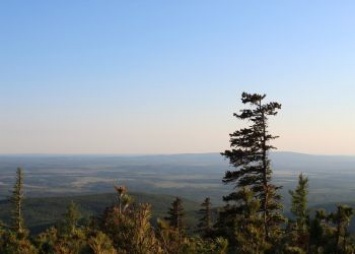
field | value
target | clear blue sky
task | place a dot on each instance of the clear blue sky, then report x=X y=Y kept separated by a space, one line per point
x=124 y=77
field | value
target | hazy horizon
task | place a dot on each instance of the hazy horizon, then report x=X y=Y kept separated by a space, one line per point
x=140 y=77
x=163 y=154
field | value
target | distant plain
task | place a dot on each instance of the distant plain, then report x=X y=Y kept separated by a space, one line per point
x=191 y=176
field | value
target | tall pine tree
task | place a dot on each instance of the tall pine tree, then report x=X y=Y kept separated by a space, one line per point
x=249 y=155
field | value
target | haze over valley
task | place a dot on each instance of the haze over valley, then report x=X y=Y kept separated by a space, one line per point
x=191 y=176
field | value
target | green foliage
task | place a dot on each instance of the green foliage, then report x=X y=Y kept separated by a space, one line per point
x=11 y=243
x=194 y=245
x=176 y=215
x=16 y=200
x=320 y=231
x=299 y=202
x=252 y=174
x=171 y=240
x=298 y=232
x=67 y=238
x=46 y=240
x=329 y=231
x=341 y=219
x=69 y=224
x=100 y=243
x=42 y=213
x=128 y=225
x=15 y=239
x=249 y=236
x=205 y=222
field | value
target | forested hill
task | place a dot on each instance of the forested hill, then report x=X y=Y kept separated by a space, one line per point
x=41 y=213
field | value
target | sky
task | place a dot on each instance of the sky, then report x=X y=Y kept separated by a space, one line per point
x=162 y=77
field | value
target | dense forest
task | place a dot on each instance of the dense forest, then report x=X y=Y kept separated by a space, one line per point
x=251 y=221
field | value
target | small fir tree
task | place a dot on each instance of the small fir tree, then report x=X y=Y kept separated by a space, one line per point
x=299 y=203
x=71 y=238
x=205 y=222
x=298 y=230
x=128 y=226
x=15 y=240
x=16 y=200
x=176 y=215
x=341 y=219
x=71 y=219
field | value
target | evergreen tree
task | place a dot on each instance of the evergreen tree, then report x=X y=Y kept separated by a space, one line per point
x=71 y=219
x=15 y=240
x=16 y=200
x=170 y=239
x=70 y=237
x=249 y=156
x=143 y=240
x=176 y=215
x=299 y=202
x=128 y=226
x=248 y=234
x=298 y=230
x=329 y=231
x=171 y=230
x=320 y=231
x=205 y=222
x=341 y=219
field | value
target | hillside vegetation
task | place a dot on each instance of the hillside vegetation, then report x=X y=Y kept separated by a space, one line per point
x=44 y=212
x=250 y=220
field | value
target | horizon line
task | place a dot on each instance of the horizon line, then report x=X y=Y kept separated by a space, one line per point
x=152 y=154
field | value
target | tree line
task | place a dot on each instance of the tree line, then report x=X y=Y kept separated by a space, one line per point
x=252 y=221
